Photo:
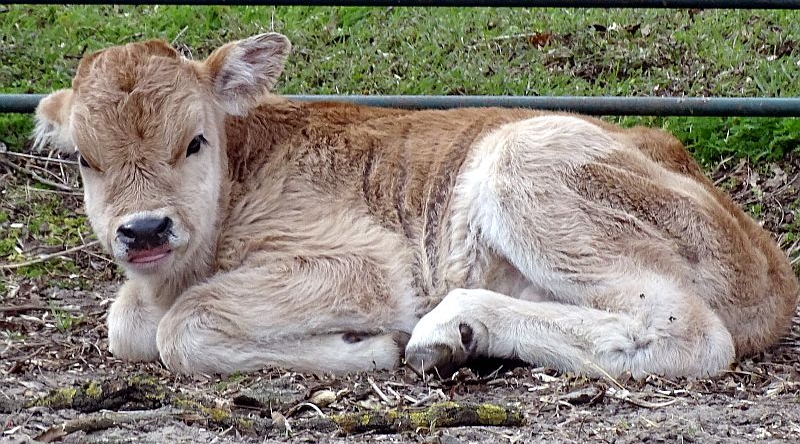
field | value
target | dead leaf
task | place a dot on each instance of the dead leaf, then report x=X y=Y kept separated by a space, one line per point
x=778 y=179
x=633 y=28
x=540 y=39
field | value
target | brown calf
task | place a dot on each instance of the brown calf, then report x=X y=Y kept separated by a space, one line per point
x=259 y=231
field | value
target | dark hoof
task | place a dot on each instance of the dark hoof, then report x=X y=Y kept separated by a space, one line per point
x=438 y=359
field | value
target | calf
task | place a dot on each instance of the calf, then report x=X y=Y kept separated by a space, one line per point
x=260 y=231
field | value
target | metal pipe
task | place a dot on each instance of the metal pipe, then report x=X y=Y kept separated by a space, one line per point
x=704 y=4
x=603 y=105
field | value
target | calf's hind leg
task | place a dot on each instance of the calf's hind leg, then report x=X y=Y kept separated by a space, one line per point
x=248 y=319
x=608 y=310
x=480 y=323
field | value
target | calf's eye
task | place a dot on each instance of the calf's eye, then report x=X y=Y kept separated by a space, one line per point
x=195 y=144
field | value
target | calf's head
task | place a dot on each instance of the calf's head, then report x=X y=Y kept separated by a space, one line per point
x=149 y=129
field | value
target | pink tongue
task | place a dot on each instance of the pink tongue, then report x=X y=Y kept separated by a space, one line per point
x=148 y=255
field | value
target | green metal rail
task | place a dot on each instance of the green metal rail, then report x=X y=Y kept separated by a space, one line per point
x=660 y=106
x=604 y=105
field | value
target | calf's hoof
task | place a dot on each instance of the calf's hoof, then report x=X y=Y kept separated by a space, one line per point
x=439 y=358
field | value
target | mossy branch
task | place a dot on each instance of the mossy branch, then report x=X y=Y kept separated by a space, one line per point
x=442 y=414
x=157 y=401
x=135 y=393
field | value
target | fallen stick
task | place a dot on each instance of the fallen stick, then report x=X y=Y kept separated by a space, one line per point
x=444 y=414
x=47 y=257
x=159 y=401
x=397 y=420
x=41 y=158
x=102 y=421
x=37 y=177
x=13 y=309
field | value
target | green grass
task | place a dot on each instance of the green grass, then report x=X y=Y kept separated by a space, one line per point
x=65 y=321
x=44 y=221
x=505 y=51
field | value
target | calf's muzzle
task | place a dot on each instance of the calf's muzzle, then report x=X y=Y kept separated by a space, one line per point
x=145 y=233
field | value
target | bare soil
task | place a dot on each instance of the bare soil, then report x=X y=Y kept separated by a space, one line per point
x=59 y=383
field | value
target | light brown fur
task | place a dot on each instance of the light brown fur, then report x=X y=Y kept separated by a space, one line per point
x=316 y=235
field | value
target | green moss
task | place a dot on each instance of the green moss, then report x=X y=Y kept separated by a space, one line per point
x=94 y=390
x=425 y=417
x=216 y=414
x=213 y=413
x=491 y=414
x=58 y=398
x=345 y=422
x=186 y=404
x=141 y=378
x=756 y=210
x=245 y=423
x=419 y=419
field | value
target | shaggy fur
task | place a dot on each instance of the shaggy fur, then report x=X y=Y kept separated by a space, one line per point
x=319 y=236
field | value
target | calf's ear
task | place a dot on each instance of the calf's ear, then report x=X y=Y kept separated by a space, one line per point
x=52 y=122
x=243 y=72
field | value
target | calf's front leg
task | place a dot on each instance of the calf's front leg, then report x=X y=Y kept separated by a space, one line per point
x=133 y=322
x=310 y=318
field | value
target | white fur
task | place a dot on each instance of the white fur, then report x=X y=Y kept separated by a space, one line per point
x=566 y=332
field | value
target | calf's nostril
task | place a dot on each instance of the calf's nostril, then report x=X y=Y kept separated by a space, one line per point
x=164 y=226
x=125 y=234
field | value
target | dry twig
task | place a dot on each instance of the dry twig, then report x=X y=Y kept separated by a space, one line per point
x=13 y=309
x=380 y=393
x=37 y=177
x=102 y=421
x=47 y=257
x=41 y=158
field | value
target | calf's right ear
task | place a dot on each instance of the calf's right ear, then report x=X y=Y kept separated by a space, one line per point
x=243 y=72
x=52 y=122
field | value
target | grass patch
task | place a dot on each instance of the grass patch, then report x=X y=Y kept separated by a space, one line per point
x=507 y=51
x=65 y=321
x=757 y=139
x=34 y=221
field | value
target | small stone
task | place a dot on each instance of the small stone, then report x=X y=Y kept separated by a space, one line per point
x=323 y=398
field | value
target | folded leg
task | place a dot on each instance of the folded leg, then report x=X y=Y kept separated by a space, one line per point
x=303 y=318
x=480 y=323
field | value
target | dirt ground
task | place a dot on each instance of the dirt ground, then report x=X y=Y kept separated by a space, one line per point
x=59 y=383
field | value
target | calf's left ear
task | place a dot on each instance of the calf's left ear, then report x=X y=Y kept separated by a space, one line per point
x=243 y=72
x=52 y=122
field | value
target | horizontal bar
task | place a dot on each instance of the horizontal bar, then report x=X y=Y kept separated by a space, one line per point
x=704 y=4
x=603 y=105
